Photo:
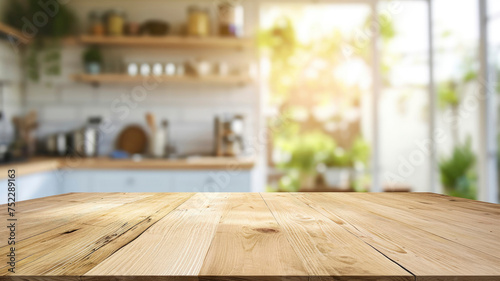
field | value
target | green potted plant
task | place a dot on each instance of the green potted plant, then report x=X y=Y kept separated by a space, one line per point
x=44 y=52
x=457 y=175
x=304 y=153
x=343 y=165
x=92 y=59
x=338 y=168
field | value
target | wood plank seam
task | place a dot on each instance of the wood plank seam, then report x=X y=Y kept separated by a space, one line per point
x=274 y=216
x=432 y=256
x=114 y=237
x=414 y=276
x=332 y=268
x=202 y=212
x=425 y=230
x=69 y=222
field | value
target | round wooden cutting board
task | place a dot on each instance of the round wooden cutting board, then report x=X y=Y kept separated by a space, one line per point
x=133 y=139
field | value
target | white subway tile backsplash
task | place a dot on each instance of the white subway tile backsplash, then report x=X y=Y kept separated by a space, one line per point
x=189 y=108
x=59 y=114
x=81 y=94
x=39 y=94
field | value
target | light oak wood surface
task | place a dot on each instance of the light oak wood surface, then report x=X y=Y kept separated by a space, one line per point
x=229 y=80
x=254 y=236
x=168 y=41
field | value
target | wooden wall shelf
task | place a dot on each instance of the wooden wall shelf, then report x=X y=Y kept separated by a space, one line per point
x=124 y=78
x=14 y=33
x=168 y=41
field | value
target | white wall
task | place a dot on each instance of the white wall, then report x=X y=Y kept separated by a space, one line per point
x=190 y=109
x=10 y=78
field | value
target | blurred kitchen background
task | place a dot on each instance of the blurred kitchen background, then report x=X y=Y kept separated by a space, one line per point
x=241 y=96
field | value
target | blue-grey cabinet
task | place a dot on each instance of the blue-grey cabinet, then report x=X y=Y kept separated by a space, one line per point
x=64 y=181
x=33 y=186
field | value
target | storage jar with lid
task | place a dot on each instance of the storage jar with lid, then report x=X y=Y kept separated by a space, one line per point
x=116 y=22
x=198 y=21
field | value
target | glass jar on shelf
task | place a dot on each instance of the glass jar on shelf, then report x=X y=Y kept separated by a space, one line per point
x=96 y=26
x=115 y=22
x=230 y=18
x=198 y=21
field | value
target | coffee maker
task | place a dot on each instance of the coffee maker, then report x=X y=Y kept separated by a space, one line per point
x=229 y=139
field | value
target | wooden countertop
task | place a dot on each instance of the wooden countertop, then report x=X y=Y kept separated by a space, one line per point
x=44 y=164
x=252 y=236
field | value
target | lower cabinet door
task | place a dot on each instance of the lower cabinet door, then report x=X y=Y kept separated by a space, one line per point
x=33 y=186
x=156 y=181
x=212 y=181
x=119 y=181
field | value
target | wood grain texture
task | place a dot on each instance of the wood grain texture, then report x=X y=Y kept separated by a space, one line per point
x=176 y=245
x=168 y=41
x=249 y=242
x=37 y=217
x=251 y=236
x=229 y=80
x=429 y=215
x=76 y=247
x=424 y=254
x=325 y=248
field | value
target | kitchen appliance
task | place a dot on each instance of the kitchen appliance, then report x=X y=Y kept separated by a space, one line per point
x=87 y=138
x=229 y=140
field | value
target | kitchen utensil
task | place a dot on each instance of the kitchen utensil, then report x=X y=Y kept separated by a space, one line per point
x=87 y=138
x=4 y=153
x=157 y=144
x=133 y=140
x=25 y=141
x=159 y=141
x=61 y=145
x=165 y=127
x=150 y=119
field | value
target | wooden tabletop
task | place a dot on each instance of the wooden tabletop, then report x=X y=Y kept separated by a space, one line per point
x=253 y=236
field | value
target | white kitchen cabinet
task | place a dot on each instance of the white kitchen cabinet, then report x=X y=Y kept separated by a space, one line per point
x=155 y=181
x=33 y=186
x=212 y=181
x=118 y=181
x=64 y=181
